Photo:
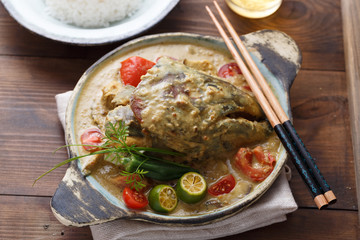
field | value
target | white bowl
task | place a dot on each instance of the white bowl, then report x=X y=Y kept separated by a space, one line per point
x=31 y=14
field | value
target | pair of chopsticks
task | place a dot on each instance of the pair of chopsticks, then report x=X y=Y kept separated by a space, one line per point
x=304 y=163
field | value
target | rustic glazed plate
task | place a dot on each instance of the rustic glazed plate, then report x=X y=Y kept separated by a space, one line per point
x=81 y=200
x=32 y=15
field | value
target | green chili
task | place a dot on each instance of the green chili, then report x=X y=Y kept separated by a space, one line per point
x=156 y=169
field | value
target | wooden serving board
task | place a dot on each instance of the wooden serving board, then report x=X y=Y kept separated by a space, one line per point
x=77 y=202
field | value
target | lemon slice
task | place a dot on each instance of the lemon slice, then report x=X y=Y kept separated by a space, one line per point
x=163 y=198
x=191 y=187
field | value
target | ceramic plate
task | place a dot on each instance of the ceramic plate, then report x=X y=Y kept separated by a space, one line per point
x=31 y=14
x=277 y=57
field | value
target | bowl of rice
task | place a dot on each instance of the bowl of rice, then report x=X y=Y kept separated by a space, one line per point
x=88 y=22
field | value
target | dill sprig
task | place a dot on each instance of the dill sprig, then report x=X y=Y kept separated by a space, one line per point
x=133 y=181
x=115 y=150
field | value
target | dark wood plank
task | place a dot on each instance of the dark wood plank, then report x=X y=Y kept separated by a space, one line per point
x=30 y=129
x=351 y=22
x=308 y=224
x=31 y=218
x=321 y=117
x=315 y=25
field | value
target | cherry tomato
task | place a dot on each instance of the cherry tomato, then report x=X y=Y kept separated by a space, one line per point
x=128 y=181
x=91 y=136
x=133 y=68
x=229 y=70
x=244 y=159
x=224 y=185
x=134 y=199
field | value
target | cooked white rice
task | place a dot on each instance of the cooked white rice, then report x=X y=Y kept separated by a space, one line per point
x=91 y=13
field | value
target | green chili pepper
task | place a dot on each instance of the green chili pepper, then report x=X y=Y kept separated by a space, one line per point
x=156 y=169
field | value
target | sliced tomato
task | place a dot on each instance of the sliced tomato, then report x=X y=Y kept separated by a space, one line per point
x=244 y=159
x=133 y=68
x=134 y=199
x=224 y=185
x=262 y=157
x=91 y=136
x=229 y=70
x=129 y=181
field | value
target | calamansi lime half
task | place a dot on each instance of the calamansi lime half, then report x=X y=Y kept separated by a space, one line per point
x=163 y=198
x=191 y=187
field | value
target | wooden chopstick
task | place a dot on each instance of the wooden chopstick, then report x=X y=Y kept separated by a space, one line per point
x=304 y=153
x=314 y=189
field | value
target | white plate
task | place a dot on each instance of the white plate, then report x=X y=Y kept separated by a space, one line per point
x=31 y=14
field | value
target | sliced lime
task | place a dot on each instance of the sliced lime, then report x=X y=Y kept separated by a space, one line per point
x=162 y=198
x=191 y=187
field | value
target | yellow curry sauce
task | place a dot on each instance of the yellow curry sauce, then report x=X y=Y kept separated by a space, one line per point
x=92 y=112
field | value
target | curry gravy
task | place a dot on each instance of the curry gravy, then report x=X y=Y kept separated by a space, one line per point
x=211 y=169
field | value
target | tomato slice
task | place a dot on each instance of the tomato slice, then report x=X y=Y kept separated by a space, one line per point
x=134 y=199
x=244 y=159
x=224 y=185
x=92 y=136
x=229 y=70
x=262 y=157
x=133 y=68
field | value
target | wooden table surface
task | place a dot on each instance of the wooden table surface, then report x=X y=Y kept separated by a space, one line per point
x=34 y=69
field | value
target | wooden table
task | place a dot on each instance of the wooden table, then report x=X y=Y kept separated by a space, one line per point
x=34 y=69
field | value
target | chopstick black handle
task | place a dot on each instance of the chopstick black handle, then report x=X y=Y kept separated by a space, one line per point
x=297 y=160
x=307 y=158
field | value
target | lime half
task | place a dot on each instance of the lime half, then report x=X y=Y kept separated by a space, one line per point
x=162 y=198
x=191 y=187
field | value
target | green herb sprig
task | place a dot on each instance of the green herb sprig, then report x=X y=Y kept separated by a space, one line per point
x=116 y=150
x=134 y=182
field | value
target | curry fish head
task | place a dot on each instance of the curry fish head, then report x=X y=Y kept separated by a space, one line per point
x=195 y=113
